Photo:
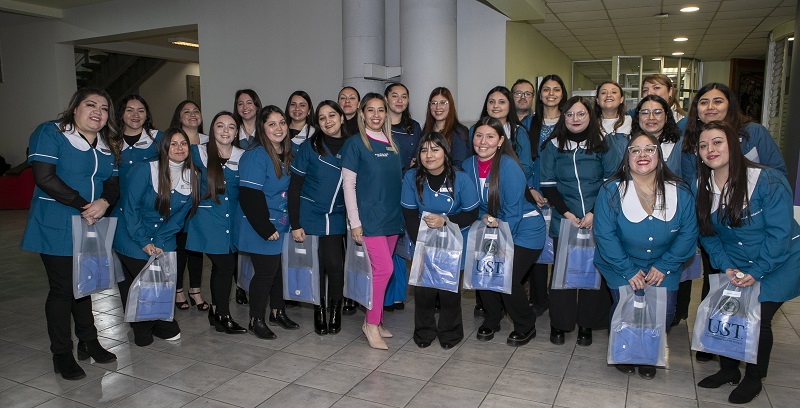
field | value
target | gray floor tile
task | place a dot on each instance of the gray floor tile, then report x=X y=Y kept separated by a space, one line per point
x=484 y=353
x=720 y=396
x=539 y=361
x=782 y=374
x=55 y=384
x=157 y=367
x=284 y=366
x=414 y=365
x=333 y=377
x=502 y=401
x=578 y=394
x=641 y=399
x=440 y=395
x=299 y=396
x=246 y=390
x=362 y=355
x=526 y=385
x=203 y=402
x=157 y=396
x=388 y=389
x=314 y=346
x=595 y=370
x=13 y=352
x=28 y=368
x=200 y=378
x=60 y=402
x=6 y=384
x=669 y=382
x=782 y=396
x=23 y=396
x=108 y=390
x=349 y=402
x=466 y=374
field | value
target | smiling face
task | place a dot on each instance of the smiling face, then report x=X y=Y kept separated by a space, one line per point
x=190 y=116
x=642 y=156
x=178 y=148
x=224 y=129
x=497 y=106
x=348 y=100
x=486 y=142
x=439 y=107
x=654 y=88
x=713 y=149
x=398 y=99
x=551 y=93
x=712 y=105
x=374 y=115
x=432 y=157
x=577 y=118
x=246 y=107
x=276 y=129
x=652 y=118
x=609 y=97
x=134 y=117
x=329 y=121
x=298 y=109
x=91 y=115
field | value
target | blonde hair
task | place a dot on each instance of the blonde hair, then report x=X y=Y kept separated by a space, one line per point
x=387 y=124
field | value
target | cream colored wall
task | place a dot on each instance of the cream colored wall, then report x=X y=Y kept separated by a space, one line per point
x=716 y=71
x=529 y=55
x=167 y=87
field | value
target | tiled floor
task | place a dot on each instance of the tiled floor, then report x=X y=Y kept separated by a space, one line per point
x=301 y=369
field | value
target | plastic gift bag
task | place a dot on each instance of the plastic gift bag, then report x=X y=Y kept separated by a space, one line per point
x=638 y=333
x=693 y=268
x=574 y=266
x=404 y=247
x=357 y=273
x=92 y=257
x=728 y=320
x=152 y=293
x=244 y=270
x=437 y=257
x=489 y=260
x=548 y=254
x=300 y=265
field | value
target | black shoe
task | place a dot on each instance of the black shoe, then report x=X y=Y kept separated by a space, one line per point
x=626 y=368
x=437 y=305
x=748 y=389
x=556 y=336
x=516 y=339
x=584 y=337
x=703 y=357
x=96 y=351
x=540 y=309
x=335 y=316
x=203 y=306
x=449 y=344
x=647 y=372
x=479 y=311
x=212 y=317
x=66 y=365
x=349 y=307
x=241 y=296
x=260 y=329
x=281 y=319
x=389 y=308
x=720 y=378
x=399 y=306
x=227 y=325
x=320 y=320
x=423 y=344
x=486 y=333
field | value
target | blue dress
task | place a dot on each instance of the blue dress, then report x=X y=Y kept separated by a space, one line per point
x=144 y=150
x=321 y=197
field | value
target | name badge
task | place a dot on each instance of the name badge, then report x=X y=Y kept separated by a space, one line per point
x=231 y=162
x=389 y=148
x=142 y=143
x=444 y=189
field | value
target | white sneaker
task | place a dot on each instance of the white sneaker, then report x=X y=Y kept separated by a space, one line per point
x=175 y=338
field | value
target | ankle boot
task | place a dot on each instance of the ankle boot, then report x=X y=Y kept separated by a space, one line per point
x=280 y=318
x=373 y=336
x=320 y=320
x=66 y=365
x=241 y=296
x=748 y=389
x=227 y=325
x=349 y=307
x=335 y=315
x=212 y=317
x=260 y=329
x=96 y=351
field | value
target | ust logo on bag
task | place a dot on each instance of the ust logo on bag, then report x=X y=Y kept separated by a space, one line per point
x=489 y=265
x=725 y=329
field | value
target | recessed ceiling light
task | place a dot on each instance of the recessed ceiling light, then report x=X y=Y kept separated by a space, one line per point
x=186 y=42
x=690 y=9
x=680 y=39
x=677 y=53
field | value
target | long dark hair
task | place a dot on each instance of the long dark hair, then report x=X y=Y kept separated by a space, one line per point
x=317 y=137
x=733 y=194
x=147 y=125
x=162 y=201
x=511 y=118
x=734 y=117
x=307 y=98
x=620 y=109
x=215 y=177
x=493 y=182
x=437 y=139
x=537 y=121
x=176 y=116
x=108 y=133
x=263 y=140
x=238 y=118
x=452 y=126
x=594 y=142
x=663 y=174
x=670 y=133
x=405 y=117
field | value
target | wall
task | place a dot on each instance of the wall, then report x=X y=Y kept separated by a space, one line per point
x=716 y=71
x=167 y=87
x=529 y=55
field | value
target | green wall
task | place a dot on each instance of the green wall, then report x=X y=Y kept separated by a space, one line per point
x=529 y=55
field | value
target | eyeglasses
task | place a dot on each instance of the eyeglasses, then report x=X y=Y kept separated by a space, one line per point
x=656 y=112
x=648 y=150
x=520 y=94
x=581 y=115
x=435 y=104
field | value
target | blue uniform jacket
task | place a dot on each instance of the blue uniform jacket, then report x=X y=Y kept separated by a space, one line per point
x=629 y=240
x=257 y=172
x=524 y=219
x=79 y=166
x=767 y=245
x=544 y=133
x=210 y=231
x=407 y=142
x=617 y=139
x=321 y=198
x=577 y=176
x=245 y=140
x=461 y=147
x=522 y=148
x=144 y=150
x=141 y=224
x=463 y=198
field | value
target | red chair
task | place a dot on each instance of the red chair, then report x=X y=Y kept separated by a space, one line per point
x=16 y=191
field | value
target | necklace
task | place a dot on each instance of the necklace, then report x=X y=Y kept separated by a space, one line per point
x=648 y=200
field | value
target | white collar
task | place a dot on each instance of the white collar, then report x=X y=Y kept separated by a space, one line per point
x=77 y=141
x=243 y=134
x=571 y=145
x=633 y=210
x=752 y=178
x=146 y=139
x=184 y=185
x=608 y=125
x=232 y=163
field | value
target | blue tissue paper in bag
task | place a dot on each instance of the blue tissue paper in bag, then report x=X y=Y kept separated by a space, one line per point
x=726 y=335
x=635 y=345
x=488 y=273
x=548 y=252
x=358 y=286
x=580 y=272
x=246 y=273
x=94 y=274
x=440 y=269
x=155 y=302
x=300 y=286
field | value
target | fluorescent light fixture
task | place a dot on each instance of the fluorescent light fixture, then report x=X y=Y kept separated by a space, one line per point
x=690 y=9
x=186 y=42
x=791 y=38
x=657 y=59
x=680 y=39
x=677 y=53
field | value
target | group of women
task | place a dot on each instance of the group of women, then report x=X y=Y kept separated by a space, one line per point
x=647 y=182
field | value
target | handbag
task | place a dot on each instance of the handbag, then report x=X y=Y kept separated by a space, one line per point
x=357 y=273
x=152 y=293
x=489 y=262
x=93 y=268
x=404 y=247
x=574 y=265
x=437 y=257
x=638 y=327
x=300 y=268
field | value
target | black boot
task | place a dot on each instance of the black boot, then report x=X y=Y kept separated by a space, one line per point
x=320 y=320
x=96 y=351
x=260 y=329
x=335 y=315
x=212 y=318
x=748 y=389
x=584 y=336
x=66 y=365
x=281 y=319
x=227 y=325
x=721 y=377
x=241 y=296
x=350 y=307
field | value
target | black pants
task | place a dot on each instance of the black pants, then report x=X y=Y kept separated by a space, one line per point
x=759 y=370
x=61 y=303
x=142 y=331
x=539 y=285
x=449 y=329
x=191 y=258
x=586 y=308
x=267 y=283
x=331 y=266
x=222 y=267
x=516 y=304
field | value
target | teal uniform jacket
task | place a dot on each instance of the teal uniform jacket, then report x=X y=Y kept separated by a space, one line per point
x=629 y=240
x=245 y=140
x=526 y=122
x=407 y=142
x=617 y=139
x=79 y=166
x=257 y=172
x=524 y=219
x=463 y=198
x=321 y=197
x=577 y=176
x=522 y=147
x=141 y=224
x=544 y=133
x=378 y=181
x=144 y=150
x=767 y=244
x=211 y=231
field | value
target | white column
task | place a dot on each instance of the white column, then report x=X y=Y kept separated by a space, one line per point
x=363 y=42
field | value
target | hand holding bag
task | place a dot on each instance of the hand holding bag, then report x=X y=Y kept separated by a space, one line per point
x=638 y=328
x=574 y=266
x=357 y=273
x=300 y=267
x=92 y=257
x=152 y=293
x=489 y=262
x=437 y=257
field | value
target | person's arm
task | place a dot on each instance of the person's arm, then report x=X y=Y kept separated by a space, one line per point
x=778 y=215
x=177 y=218
x=350 y=199
x=139 y=177
x=254 y=207
x=548 y=181
x=768 y=152
x=512 y=193
x=44 y=175
x=465 y=218
x=293 y=199
x=111 y=190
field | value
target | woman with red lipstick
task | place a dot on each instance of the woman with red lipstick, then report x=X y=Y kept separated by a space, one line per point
x=614 y=123
x=246 y=105
x=301 y=115
x=442 y=117
x=348 y=99
x=575 y=161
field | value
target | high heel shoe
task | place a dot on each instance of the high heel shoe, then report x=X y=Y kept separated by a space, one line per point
x=200 y=306
x=66 y=365
x=280 y=318
x=96 y=351
x=260 y=329
x=241 y=296
x=335 y=316
x=320 y=320
x=227 y=325
x=181 y=305
x=385 y=333
x=373 y=336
